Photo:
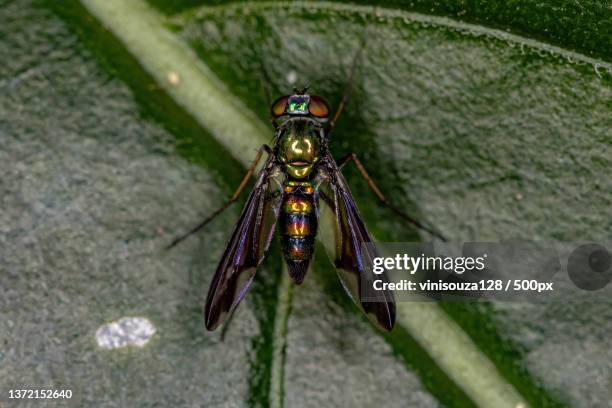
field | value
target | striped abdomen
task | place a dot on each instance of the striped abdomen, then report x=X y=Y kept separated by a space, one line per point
x=298 y=227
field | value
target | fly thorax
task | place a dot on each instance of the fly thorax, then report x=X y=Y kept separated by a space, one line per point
x=299 y=150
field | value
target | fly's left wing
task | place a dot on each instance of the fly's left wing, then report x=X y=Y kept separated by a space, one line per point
x=350 y=254
x=246 y=248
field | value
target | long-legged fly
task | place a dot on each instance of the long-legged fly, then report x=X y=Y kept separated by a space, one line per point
x=299 y=179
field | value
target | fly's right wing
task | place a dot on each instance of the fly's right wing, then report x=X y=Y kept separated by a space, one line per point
x=246 y=248
x=351 y=252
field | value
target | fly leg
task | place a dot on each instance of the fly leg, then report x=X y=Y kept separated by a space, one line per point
x=347 y=88
x=232 y=199
x=353 y=157
x=265 y=85
x=227 y=323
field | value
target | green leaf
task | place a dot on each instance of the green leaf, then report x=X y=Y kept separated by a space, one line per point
x=484 y=388
x=469 y=121
x=488 y=134
x=583 y=26
x=92 y=190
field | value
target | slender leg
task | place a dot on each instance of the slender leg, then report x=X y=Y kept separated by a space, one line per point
x=353 y=157
x=233 y=198
x=227 y=322
x=347 y=88
x=265 y=85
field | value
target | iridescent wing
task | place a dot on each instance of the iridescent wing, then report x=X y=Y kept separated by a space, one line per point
x=350 y=254
x=246 y=248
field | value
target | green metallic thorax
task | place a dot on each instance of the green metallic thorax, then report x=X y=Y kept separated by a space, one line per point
x=299 y=149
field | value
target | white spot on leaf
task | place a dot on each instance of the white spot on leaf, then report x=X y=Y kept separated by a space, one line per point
x=291 y=77
x=127 y=331
x=174 y=78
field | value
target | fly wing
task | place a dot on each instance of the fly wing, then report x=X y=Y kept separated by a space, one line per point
x=246 y=248
x=350 y=255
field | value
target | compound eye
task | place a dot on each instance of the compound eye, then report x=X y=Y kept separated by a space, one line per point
x=318 y=107
x=278 y=107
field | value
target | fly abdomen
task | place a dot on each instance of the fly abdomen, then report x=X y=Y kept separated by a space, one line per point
x=298 y=227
